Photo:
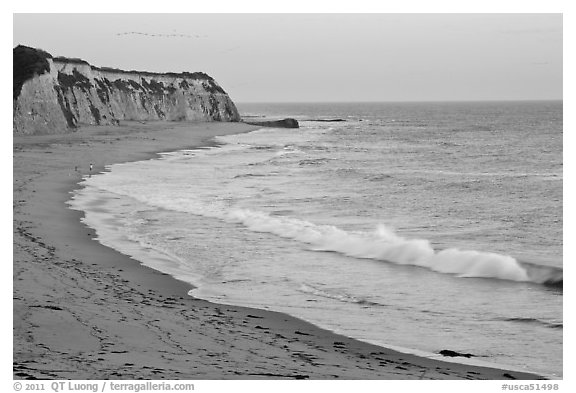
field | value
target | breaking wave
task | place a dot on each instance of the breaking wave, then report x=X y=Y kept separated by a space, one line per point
x=385 y=245
x=546 y=275
x=536 y=321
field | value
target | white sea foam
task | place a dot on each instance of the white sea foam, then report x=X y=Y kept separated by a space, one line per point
x=385 y=245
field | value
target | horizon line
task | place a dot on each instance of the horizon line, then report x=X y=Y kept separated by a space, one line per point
x=402 y=101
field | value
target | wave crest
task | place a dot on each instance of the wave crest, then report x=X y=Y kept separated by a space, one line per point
x=385 y=245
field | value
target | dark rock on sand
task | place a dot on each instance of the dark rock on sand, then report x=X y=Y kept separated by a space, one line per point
x=447 y=352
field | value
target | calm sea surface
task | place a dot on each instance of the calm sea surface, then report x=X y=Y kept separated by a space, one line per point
x=420 y=226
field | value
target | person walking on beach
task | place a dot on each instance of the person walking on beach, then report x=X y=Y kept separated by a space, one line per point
x=91 y=166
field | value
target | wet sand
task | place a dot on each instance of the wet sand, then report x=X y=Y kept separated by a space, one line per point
x=85 y=311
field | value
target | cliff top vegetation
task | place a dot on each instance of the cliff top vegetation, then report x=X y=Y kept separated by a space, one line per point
x=28 y=62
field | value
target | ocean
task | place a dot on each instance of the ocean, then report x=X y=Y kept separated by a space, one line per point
x=416 y=226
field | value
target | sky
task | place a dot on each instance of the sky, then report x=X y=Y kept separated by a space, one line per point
x=323 y=57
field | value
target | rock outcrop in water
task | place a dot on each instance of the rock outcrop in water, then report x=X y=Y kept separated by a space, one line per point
x=55 y=94
x=284 y=123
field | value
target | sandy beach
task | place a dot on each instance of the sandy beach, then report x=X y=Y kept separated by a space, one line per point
x=84 y=311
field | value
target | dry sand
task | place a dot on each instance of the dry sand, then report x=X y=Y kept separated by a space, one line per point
x=84 y=311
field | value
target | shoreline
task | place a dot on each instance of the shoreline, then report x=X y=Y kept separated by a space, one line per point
x=85 y=311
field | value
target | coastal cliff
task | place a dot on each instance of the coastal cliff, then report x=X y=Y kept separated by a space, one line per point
x=54 y=94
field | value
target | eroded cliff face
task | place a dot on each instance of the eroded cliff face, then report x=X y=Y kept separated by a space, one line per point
x=72 y=92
